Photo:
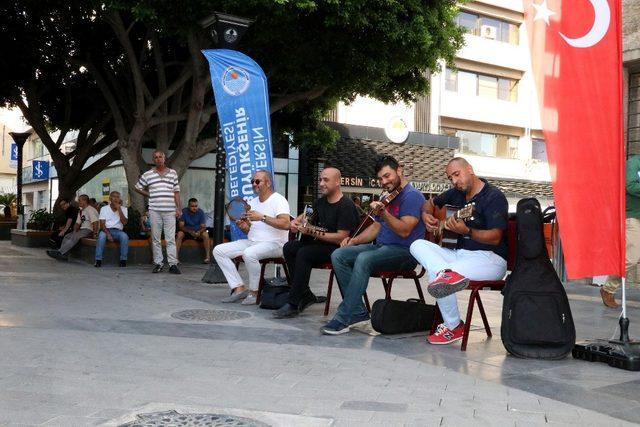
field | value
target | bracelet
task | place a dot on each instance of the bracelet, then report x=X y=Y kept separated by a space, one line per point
x=470 y=234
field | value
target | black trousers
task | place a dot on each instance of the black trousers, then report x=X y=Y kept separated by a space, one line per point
x=301 y=256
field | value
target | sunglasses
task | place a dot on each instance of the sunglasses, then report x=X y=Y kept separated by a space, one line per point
x=256 y=181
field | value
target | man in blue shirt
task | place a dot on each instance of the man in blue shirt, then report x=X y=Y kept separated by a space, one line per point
x=192 y=225
x=481 y=248
x=383 y=245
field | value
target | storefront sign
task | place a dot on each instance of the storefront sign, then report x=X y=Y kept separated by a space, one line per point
x=371 y=182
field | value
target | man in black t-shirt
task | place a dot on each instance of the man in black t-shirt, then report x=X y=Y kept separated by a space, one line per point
x=481 y=248
x=70 y=215
x=338 y=215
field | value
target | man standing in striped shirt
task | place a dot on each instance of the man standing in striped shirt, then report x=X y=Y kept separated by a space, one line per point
x=160 y=185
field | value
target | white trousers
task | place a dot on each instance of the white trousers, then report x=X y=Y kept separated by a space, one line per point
x=163 y=221
x=474 y=265
x=251 y=252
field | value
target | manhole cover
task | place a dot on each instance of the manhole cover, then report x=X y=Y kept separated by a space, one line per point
x=210 y=315
x=175 y=419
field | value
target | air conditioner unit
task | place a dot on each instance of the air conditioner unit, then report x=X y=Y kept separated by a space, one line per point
x=488 y=32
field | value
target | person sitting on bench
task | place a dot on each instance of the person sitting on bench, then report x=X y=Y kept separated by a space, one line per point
x=86 y=226
x=192 y=225
x=113 y=218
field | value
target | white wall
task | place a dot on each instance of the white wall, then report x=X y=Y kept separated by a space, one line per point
x=366 y=111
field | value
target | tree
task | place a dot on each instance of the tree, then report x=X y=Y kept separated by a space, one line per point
x=155 y=88
x=40 y=77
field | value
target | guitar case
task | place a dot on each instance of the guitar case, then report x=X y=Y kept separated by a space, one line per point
x=536 y=317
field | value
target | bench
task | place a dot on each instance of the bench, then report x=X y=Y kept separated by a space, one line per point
x=192 y=252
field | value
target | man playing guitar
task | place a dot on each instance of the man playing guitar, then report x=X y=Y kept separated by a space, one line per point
x=336 y=214
x=394 y=229
x=481 y=250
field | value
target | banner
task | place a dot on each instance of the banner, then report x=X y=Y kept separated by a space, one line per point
x=242 y=101
x=576 y=53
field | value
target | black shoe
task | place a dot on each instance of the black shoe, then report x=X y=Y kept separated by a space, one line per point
x=157 y=268
x=306 y=301
x=98 y=263
x=123 y=263
x=174 y=270
x=286 y=311
x=57 y=255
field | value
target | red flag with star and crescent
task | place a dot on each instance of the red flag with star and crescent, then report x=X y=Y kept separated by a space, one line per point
x=576 y=53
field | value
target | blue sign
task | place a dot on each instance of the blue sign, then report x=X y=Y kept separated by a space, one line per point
x=14 y=153
x=242 y=101
x=40 y=170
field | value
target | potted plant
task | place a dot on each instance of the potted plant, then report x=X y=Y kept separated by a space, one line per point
x=41 y=220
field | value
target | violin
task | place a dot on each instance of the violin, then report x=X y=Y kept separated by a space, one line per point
x=368 y=217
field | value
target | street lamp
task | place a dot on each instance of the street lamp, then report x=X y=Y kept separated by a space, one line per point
x=20 y=138
x=226 y=31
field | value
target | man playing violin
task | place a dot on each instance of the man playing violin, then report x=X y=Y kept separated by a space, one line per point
x=382 y=245
x=335 y=213
x=481 y=249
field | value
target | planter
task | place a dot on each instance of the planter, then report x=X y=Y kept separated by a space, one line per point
x=30 y=238
x=139 y=252
x=5 y=228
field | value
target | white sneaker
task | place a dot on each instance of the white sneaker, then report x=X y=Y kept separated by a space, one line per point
x=251 y=299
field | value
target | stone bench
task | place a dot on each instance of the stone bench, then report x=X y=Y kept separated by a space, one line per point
x=192 y=252
x=30 y=238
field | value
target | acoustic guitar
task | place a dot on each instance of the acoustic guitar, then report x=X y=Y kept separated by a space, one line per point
x=446 y=237
x=307 y=215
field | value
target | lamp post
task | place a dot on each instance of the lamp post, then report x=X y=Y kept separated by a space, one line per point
x=20 y=138
x=226 y=31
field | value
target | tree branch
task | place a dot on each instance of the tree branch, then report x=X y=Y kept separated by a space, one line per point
x=310 y=95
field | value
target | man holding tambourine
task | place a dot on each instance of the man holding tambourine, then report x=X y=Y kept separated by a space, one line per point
x=266 y=221
x=334 y=216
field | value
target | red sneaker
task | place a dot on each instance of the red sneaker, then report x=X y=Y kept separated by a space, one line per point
x=444 y=335
x=446 y=283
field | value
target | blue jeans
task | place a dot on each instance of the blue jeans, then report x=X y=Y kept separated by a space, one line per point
x=118 y=236
x=354 y=264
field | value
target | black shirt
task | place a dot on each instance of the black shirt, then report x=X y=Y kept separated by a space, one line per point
x=491 y=211
x=70 y=213
x=341 y=215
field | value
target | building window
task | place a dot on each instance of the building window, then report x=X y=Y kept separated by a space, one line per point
x=40 y=202
x=538 y=149
x=489 y=28
x=487 y=86
x=485 y=144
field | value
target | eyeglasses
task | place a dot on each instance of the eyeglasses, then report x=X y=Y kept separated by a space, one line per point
x=256 y=181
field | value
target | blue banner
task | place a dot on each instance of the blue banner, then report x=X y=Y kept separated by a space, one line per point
x=40 y=170
x=242 y=101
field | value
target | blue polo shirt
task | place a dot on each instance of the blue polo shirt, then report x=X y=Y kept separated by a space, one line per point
x=491 y=211
x=192 y=221
x=408 y=203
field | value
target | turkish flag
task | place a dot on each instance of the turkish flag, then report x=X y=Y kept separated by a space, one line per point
x=576 y=52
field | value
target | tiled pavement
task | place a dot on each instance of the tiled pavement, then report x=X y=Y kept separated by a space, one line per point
x=82 y=346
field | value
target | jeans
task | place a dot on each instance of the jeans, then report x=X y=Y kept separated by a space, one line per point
x=474 y=265
x=354 y=264
x=166 y=221
x=301 y=257
x=251 y=252
x=118 y=236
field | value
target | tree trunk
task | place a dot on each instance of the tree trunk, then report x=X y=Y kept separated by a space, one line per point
x=131 y=160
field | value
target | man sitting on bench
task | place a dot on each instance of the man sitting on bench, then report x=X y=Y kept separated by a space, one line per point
x=193 y=226
x=481 y=248
x=113 y=218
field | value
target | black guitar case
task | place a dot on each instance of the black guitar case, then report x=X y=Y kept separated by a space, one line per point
x=536 y=317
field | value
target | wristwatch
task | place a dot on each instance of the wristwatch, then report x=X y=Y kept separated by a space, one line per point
x=264 y=218
x=469 y=232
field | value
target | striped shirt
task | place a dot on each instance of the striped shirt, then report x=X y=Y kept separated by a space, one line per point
x=161 y=189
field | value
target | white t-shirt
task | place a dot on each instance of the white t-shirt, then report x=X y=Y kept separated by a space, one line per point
x=111 y=218
x=86 y=217
x=260 y=231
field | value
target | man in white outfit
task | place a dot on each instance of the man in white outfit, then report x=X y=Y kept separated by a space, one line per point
x=481 y=249
x=267 y=227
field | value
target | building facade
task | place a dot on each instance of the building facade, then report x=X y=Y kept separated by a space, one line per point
x=631 y=61
x=7 y=168
x=483 y=107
